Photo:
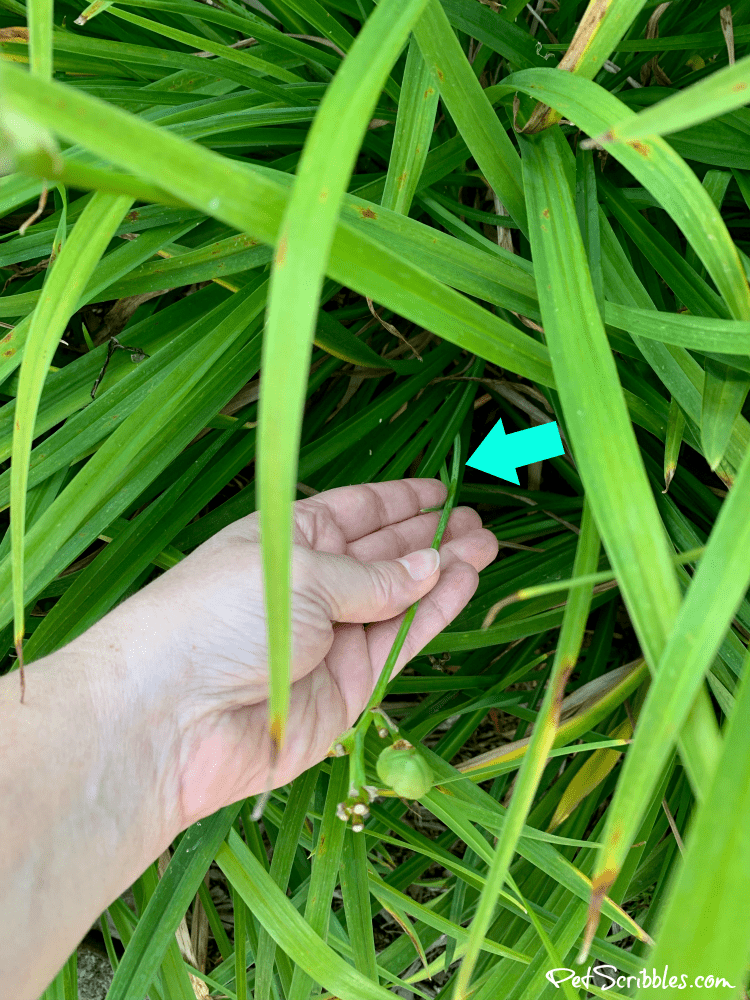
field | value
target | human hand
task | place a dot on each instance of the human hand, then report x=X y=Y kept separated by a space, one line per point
x=195 y=643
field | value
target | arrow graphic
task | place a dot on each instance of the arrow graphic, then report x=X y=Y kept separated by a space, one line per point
x=500 y=454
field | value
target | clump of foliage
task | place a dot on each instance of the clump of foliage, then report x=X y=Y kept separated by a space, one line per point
x=345 y=238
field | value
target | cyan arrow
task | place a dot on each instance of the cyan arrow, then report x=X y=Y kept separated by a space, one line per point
x=500 y=454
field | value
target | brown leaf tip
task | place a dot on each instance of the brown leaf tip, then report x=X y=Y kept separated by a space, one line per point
x=599 y=889
x=562 y=680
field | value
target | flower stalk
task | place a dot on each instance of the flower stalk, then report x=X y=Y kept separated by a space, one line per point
x=352 y=742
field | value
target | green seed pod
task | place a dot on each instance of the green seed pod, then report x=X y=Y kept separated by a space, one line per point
x=407 y=772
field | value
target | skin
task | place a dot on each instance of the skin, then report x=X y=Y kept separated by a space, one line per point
x=156 y=716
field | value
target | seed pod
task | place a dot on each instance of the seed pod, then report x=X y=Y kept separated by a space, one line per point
x=407 y=772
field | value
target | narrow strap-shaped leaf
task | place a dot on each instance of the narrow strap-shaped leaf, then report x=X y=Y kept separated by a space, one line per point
x=600 y=29
x=303 y=248
x=724 y=393
x=156 y=928
x=714 y=594
x=387 y=894
x=590 y=776
x=602 y=437
x=285 y=847
x=656 y=165
x=470 y=109
x=542 y=739
x=587 y=211
x=254 y=200
x=675 y=427
x=59 y=299
x=40 y=21
x=355 y=892
x=722 y=91
x=414 y=124
x=246 y=59
x=714 y=881
x=726 y=387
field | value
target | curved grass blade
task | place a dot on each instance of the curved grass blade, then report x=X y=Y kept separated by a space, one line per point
x=673 y=443
x=590 y=776
x=40 y=21
x=155 y=930
x=666 y=175
x=713 y=883
x=242 y=58
x=601 y=435
x=253 y=201
x=260 y=29
x=288 y=928
x=355 y=894
x=468 y=105
x=535 y=759
x=724 y=392
x=602 y=26
x=658 y=168
x=414 y=124
x=593 y=405
x=697 y=333
x=60 y=295
x=303 y=248
x=725 y=388
x=722 y=91
x=284 y=851
x=714 y=594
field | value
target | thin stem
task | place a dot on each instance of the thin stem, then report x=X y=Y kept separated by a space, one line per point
x=398 y=643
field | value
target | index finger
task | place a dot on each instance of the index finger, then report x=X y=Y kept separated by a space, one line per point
x=360 y=510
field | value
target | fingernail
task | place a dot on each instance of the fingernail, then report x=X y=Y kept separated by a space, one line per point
x=422 y=564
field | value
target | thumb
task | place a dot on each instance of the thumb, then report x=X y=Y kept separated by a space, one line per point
x=355 y=591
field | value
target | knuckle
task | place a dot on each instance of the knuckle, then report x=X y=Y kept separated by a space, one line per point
x=382 y=586
x=310 y=516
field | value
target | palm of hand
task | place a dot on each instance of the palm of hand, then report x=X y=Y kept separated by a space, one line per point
x=211 y=606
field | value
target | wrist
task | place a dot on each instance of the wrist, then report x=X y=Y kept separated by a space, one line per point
x=131 y=725
x=86 y=803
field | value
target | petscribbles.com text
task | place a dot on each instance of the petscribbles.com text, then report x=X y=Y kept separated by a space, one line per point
x=643 y=980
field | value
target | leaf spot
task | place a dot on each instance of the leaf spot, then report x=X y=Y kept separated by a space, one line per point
x=640 y=147
x=281 y=252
